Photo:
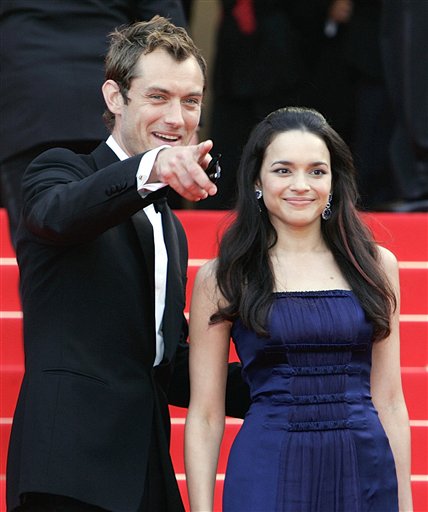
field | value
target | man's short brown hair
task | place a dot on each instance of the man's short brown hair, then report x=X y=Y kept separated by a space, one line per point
x=128 y=43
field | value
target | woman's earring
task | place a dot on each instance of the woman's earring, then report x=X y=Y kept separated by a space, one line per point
x=259 y=194
x=326 y=213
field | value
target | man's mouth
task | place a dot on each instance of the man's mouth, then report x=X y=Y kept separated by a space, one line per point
x=166 y=138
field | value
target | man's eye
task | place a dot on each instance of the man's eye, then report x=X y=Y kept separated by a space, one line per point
x=192 y=101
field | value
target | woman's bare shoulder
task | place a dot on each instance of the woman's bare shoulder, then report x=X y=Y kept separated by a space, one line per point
x=387 y=259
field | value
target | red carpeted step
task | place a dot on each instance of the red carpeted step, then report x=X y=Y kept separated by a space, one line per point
x=404 y=234
x=420 y=496
x=217 y=494
x=414 y=289
x=11 y=342
x=419 y=435
x=5 y=426
x=413 y=283
x=415 y=387
x=419 y=491
x=419 y=445
x=6 y=249
x=419 y=488
x=183 y=492
x=414 y=343
x=2 y=495
x=177 y=412
x=419 y=448
x=202 y=229
x=11 y=377
x=177 y=445
x=9 y=294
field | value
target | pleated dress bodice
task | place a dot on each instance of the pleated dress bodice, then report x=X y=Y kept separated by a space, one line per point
x=312 y=440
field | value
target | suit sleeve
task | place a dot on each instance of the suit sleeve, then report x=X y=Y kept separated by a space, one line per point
x=66 y=201
x=237 y=391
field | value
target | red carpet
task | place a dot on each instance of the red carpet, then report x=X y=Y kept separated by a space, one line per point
x=405 y=234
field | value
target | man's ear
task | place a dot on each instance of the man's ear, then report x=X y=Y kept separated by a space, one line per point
x=112 y=96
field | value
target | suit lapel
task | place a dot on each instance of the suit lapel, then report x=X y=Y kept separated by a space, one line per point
x=144 y=230
x=174 y=303
x=103 y=156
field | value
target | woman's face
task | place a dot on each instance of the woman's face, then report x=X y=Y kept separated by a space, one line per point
x=296 y=178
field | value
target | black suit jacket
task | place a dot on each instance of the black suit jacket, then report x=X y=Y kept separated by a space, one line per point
x=91 y=399
x=52 y=64
x=274 y=59
x=404 y=46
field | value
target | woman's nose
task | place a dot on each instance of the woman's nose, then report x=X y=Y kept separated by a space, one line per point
x=300 y=181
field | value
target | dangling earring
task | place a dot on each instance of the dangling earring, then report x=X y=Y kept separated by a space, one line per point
x=326 y=213
x=259 y=195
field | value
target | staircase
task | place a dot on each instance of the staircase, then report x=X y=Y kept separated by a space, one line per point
x=405 y=234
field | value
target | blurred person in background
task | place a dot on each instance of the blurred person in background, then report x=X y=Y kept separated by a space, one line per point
x=405 y=60
x=264 y=58
x=350 y=89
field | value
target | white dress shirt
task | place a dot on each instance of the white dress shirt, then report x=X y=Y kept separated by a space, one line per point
x=161 y=257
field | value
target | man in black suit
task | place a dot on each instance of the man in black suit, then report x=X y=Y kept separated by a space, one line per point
x=404 y=43
x=51 y=56
x=103 y=265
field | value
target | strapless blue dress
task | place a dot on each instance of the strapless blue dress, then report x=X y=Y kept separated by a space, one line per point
x=311 y=440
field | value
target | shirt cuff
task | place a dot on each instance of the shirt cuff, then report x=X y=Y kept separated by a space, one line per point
x=144 y=170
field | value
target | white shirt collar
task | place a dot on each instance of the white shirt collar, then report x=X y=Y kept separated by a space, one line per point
x=114 y=146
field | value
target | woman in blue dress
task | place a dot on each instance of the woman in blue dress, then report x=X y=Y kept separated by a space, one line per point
x=312 y=306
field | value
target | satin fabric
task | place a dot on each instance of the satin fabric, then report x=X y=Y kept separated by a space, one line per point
x=312 y=440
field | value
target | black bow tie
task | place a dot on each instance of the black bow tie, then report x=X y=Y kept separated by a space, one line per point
x=160 y=204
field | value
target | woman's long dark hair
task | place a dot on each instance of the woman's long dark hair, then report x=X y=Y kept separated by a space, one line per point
x=244 y=272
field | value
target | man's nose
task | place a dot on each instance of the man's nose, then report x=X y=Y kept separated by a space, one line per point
x=174 y=114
